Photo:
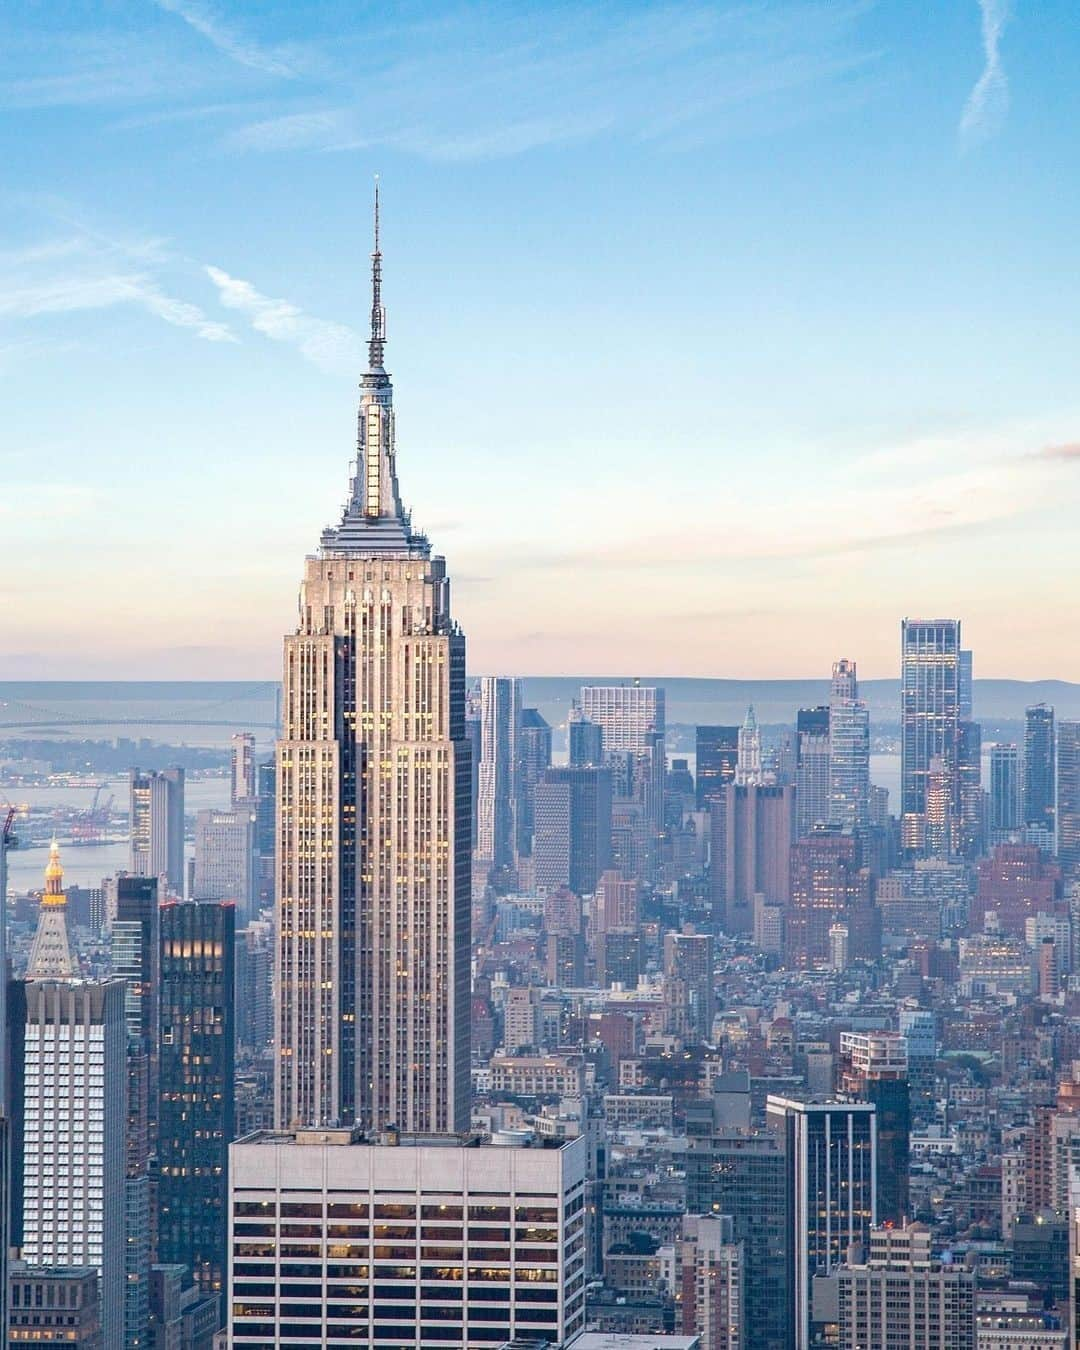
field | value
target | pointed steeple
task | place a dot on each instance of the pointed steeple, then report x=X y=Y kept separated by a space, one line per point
x=50 y=956
x=748 y=767
x=374 y=520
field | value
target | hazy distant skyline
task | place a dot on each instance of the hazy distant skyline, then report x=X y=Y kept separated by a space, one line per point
x=722 y=335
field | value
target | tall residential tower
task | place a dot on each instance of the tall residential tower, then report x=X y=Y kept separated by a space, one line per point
x=373 y=792
x=929 y=725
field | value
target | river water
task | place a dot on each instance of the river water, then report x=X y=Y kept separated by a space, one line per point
x=86 y=864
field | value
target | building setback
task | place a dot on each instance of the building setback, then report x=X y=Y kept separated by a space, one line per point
x=902 y=1297
x=373 y=799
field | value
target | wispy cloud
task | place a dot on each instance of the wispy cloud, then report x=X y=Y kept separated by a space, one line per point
x=988 y=102
x=78 y=69
x=901 y=500
x=487 y=83
x=330 y=346
x=229 y=40
x=83 y=273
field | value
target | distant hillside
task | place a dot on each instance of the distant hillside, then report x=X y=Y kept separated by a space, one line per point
x=689 y=701
x=725 y=701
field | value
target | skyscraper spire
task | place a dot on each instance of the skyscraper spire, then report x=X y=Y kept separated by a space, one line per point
x=374 y=519
x=378 y=313
x=50 y=956
x=748 y=767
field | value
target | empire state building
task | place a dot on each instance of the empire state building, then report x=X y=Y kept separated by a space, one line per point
x=373 y=814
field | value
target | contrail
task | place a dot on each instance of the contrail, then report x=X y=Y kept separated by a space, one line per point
x=987 y=103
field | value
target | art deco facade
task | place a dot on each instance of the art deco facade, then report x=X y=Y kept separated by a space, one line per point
x=373 y=793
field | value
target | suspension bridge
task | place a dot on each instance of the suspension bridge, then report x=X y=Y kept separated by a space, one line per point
x=250 y=707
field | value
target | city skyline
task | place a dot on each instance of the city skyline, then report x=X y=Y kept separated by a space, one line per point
x=852 y=443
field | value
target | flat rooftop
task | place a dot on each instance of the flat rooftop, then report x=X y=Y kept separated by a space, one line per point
x=613 y=1340
x=396 y=1139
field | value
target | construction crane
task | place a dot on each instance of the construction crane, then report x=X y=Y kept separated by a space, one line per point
x=89 y=826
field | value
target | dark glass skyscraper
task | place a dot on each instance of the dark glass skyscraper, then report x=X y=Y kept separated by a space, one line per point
x=195 y=1114
x=831 y=1151
x=135 y=958
x=1068 y=799
x=1039 y=760
x=717 y=758
x=744 y=1174
x=585 y=742
x=534 y=759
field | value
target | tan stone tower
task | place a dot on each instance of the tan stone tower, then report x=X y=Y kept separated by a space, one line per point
x=373 y=802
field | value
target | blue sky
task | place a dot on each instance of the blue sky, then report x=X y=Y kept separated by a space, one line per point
x=723 y=335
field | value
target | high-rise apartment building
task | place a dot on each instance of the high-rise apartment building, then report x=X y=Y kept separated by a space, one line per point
x=831 y=1151
x=812 y=769
x=196 y=1099
x=849 y=751
x=717 y=756
x=534 y=760
x=971 y=806
x=874 y=1068
x=929 y=719
x=225 y=856
x=572 y=837
x=156 y=808
x=899 y=1295
x=374 y=833
x=133 y=937
x=1039 y=759
x=254 y=1002
x=967 y=684
x=713 y=1286
x=497 y=785
x=243 y=785
x=627 y=714
x=69 y=1045
x=1068 y=799
x=1005 y=794
x=473 y=1245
